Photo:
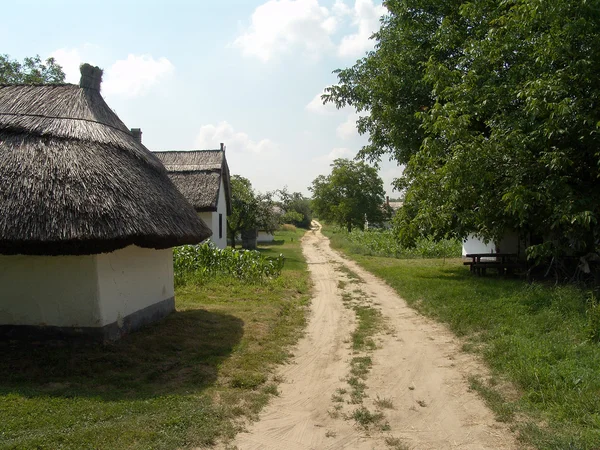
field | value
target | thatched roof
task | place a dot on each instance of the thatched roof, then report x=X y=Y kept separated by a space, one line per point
x=74 y=181
x=198 y=174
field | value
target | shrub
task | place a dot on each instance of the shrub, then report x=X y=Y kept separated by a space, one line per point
x=201 y=262
x=384 y=243
x=287 y=227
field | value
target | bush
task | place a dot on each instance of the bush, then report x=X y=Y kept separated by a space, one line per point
x=198 y=263
x=288 y=227
x=384 y=243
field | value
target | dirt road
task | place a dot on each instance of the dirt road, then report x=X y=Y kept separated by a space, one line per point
x=417 y=394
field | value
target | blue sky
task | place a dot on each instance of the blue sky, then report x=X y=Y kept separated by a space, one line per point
x=192 y=74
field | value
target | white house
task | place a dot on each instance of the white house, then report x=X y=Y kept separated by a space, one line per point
x=510 y=243
x=89 y=217
x=202 y=176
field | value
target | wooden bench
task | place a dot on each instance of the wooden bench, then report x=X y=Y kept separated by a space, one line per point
x=504 y=263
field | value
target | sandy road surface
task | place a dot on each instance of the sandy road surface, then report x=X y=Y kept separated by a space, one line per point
x=417 y=366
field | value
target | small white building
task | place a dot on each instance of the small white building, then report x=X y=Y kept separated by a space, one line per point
x=89 y=217
x=510 y=243
x=202 y=176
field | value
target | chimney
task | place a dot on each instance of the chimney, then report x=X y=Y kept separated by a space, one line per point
x=137 y=134
x=222 y=147
x=387 y=200
x=91 y=77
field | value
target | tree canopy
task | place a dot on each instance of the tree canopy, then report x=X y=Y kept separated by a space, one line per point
x=296 y=208
x=251 y=210
x=494 y=108
x=351 y=194
x=30 y=71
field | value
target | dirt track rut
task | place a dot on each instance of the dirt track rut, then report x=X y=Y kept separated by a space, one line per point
x=417 y=366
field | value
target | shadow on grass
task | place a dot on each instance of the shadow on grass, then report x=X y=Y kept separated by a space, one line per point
x=272 y=243
x=181 y=354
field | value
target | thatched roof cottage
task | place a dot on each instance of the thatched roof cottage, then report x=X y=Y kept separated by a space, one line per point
x=203 y=178
x=88 y=219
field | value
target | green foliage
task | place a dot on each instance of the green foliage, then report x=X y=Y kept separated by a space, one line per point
x=251 y=210
x=30 y=71
x=385 y=243
x=199 y=263
x=494 y=108
x=536 y=337
x=291 y=217
x=296 y=207
x=351 y=194
x=185 y=382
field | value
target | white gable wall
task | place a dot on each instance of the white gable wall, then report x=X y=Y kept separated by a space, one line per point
x=212 y=219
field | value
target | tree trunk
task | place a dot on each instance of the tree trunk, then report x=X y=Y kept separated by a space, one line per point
x=249 y=239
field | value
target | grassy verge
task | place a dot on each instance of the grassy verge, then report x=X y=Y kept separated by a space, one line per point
x=185 y=382
x=375 y=242
x=537 y=338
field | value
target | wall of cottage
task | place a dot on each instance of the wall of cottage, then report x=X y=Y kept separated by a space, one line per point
x=212 y=219
x=59 y=291
x=509 y=244
x=131 y=280
x=117 y=292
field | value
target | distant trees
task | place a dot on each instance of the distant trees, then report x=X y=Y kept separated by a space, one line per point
x=494 y=109
x=351 y=194
x=296 y=208
x=31 y=71
x=251 y=210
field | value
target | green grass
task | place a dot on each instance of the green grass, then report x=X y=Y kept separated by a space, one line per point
x=535 y=338
x=383 y=243
x=182 y=383
x=369 y=322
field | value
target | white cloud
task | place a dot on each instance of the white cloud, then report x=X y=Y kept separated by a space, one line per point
x=366 y=17
x=278 y=26
x=210 y=136
x=135 y=75
x=347 y=130
x=316 y=106
x=69 y=60
x=283 y=26
x=338 y=152
x=341 y=9
x=129 y=77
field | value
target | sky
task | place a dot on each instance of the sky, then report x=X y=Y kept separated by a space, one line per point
x=193 y=74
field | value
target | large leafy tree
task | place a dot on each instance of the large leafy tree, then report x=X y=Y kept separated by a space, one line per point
x=250 y=210
x=31 y=71
x=351 y=194
x=494 y=108
x=296 y=208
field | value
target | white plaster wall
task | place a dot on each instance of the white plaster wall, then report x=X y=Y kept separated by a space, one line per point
x=263 y=236
x=131 y=279
x=475 y=245
x=221 y=209
x=49 y=290
x=510 y=243
x=207 y=217
x=212 y=219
